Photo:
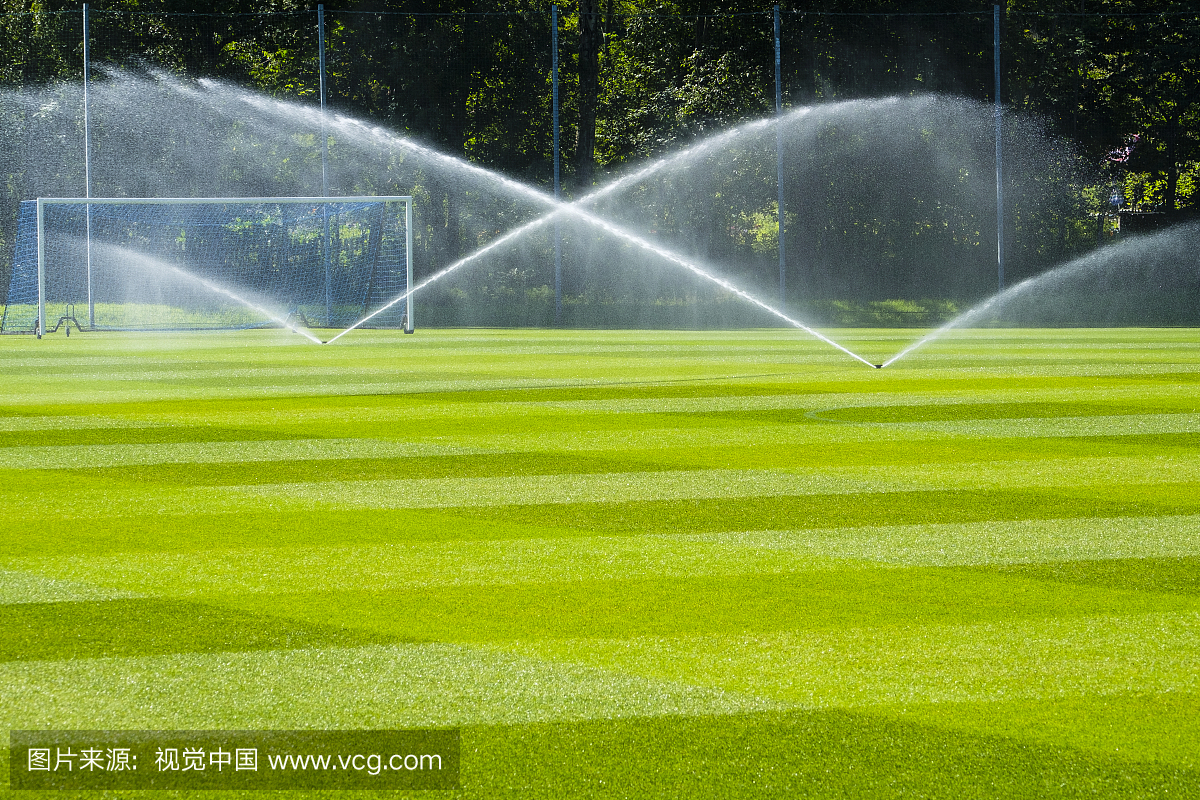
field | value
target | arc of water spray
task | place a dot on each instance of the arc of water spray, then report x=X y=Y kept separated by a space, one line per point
x=574 y=209
x=724 y=284
x=289 y=109
x=625 y=235
x=529 y=191
x=284 y=109
x=153 y=264
x=966 y=317
x=1061 y=272
x=221 y=290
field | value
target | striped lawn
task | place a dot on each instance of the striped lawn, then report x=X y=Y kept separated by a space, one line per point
x=625 y=564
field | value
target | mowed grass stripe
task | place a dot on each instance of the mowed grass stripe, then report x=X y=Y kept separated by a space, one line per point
x=1155 y=727
x=1154 y=375
x=531 y=420
x=192 y=570
x=410 y=462
x=656 y=444
x=87 y=457
x=413 y=685
x=1020 y=542
x=705 y=605
x=1174 y=575
x=42 y=536
x=851 y=510
x=28 y=587
x=831 y=437
x=140 y=435
x=150 y=626
x=765 y=410
x=1088 y=485
x=533 y=416
x=476 y=465
x=956 y=411
x=683 y=733
x=398 y=567
x=1049 y=476
x=801 y=754
x=524 y=420
x=895 y=666
x=372 y=687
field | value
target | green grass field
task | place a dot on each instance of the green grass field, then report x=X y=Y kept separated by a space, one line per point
x=625 y=564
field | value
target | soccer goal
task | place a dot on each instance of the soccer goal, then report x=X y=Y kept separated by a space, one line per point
x=210 y=263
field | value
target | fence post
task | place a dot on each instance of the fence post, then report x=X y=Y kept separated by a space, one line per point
x=779 y=163
x=999 y=155
x=324 y=167
x=321 y=78
x=557 y=176
x=87 y=158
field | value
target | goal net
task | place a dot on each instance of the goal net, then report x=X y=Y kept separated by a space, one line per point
x=210 y=263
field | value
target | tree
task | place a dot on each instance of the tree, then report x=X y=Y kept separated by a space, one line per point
x=1159 y=90
x=589 y=89
x=1116 y=74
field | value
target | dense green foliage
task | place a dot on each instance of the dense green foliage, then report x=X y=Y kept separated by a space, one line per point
x=474 y=78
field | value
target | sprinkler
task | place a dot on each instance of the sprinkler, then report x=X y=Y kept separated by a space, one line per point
x=877 y=366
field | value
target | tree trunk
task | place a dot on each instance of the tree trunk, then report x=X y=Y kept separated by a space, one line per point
x=1172 y=141
x=589 y=90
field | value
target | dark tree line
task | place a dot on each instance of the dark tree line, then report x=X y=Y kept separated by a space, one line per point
x=639 y=76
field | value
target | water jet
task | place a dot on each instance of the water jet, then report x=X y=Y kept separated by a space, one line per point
x=236 y=138
x=1123 y=284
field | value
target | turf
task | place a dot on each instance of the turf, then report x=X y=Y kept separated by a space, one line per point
x=137 y=627
x=625 y=564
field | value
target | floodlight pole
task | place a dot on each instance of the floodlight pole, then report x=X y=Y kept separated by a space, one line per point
x=999 y=155
x=779 y=162
x=324 y=167
x=87 y=165
x=557 y=175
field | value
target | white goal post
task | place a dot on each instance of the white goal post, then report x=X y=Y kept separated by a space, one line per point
x=220 y=262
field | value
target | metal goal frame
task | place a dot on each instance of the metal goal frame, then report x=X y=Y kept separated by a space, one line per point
x=42 y=202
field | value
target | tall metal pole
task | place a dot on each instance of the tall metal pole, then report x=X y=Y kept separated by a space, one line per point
x=321 y=70
x=999 y=155
x=779 y=162
x=557 y=175
x=87 y=160
x=324 y=166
